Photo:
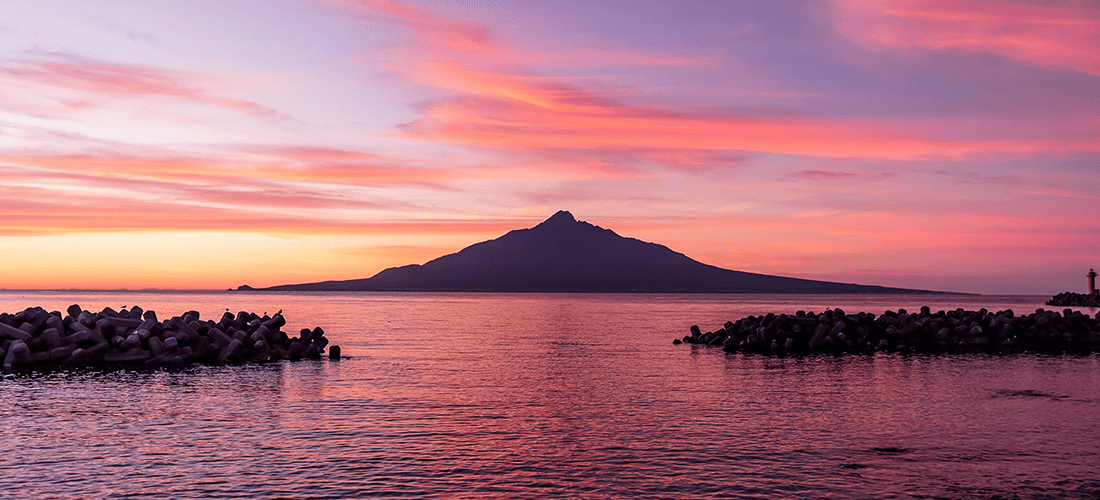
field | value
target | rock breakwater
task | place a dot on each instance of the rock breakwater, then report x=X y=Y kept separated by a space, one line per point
x=837 y=332
x=1071 y=299
x=37 y=338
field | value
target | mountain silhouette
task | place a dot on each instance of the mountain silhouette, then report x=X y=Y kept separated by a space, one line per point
x=565 y=255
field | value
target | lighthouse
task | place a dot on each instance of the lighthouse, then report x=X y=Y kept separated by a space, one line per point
x=1092 y=281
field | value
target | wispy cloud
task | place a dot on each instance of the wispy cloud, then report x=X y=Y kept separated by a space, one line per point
x=1051 y=34
x=514 y=120
x=249 y=164
x=822 y=174
x=828 y=175
x=607 y=58
x=342 y=166
x=454 y=35
x=248 y=189
x=500 y=105
x=98 y=78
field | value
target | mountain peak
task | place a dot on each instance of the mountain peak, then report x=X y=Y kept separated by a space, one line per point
x=563 y=254
x=559 y=219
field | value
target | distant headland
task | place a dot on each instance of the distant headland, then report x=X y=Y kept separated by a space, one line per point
x=562 y=254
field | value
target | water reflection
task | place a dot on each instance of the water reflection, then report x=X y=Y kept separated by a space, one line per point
x=454 y=395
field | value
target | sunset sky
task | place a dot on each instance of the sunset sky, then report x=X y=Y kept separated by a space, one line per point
x=208 y=144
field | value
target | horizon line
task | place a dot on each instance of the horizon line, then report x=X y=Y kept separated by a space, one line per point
x=292 y=292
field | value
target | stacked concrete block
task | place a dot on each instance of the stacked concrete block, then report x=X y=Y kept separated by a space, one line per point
x=836 y=332
x=35 y=338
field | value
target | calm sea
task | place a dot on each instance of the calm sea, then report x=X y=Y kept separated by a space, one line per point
x=535 y=396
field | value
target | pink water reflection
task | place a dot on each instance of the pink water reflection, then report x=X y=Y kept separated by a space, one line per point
x=452 y=395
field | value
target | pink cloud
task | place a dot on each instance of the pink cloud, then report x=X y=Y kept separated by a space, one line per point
x=822 y=174
x=251 y=164
x=516 y=110
x=500 y=106
x=517 y=120
x=603 y=58
x=1064 y=193
x=454 y=35
x=99 y=78
x=473 y=39
x=26 y=211
x=255 y=188
x=91 y=204
x=819 y=175
x=1049 y=34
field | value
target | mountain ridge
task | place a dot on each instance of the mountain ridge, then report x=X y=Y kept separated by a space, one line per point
x=562 y=254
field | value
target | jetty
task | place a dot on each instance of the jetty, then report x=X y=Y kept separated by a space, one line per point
x=36 y=338
x=958 y=331
x=1071 y=299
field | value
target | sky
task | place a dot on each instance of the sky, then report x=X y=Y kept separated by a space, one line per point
x=207 y=144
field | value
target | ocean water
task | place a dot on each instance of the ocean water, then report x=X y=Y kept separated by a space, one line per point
x=551 y=396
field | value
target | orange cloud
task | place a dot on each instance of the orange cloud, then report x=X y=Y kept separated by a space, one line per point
x=1049 y=34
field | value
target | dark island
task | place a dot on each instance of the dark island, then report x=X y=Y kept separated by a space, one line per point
x=565 y=255
x=836 y=332
x=35 y=338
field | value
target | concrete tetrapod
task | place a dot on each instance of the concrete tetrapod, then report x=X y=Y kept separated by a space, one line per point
x=36 y=338
x=1071 y=299
x=835 y=332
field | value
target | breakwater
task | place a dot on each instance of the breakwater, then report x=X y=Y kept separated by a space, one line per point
x=35 y=337
x=1071 y=299
x=959 y=330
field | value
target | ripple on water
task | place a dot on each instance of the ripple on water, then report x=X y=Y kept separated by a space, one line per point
x=457 y=396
